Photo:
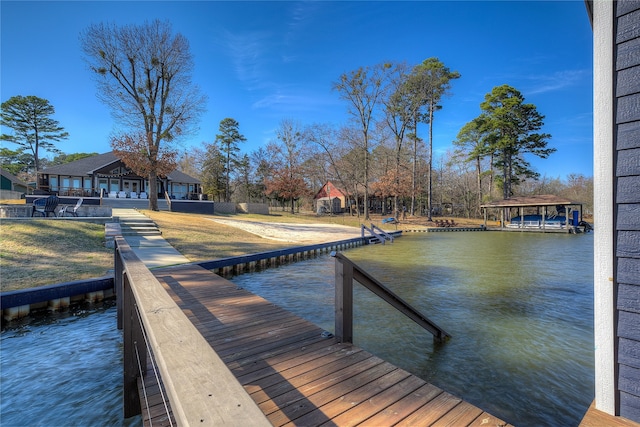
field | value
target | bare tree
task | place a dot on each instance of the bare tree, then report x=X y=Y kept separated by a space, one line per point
x=287 y=179
x=143 y=74
x=363 y=89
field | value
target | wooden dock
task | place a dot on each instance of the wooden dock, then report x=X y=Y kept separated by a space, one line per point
x=296 y=372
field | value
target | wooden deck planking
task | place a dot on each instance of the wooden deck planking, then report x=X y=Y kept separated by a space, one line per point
x=296 y=375
x=597 y=418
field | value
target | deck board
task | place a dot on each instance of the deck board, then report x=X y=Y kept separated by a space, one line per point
x=296 y=375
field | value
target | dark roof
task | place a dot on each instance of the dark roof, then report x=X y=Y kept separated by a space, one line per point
x=178 y=176
x=541 y=200
x=12 y=178
x=89 y=165
x=84 y=166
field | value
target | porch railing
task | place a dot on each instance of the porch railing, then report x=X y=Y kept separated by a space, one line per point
x=200 y=388
x=346 y=271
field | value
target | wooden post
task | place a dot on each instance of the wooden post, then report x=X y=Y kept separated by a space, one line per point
x=131 y=340
x=344 y=301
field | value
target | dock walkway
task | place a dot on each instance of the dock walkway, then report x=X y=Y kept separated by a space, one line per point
x=297 y=373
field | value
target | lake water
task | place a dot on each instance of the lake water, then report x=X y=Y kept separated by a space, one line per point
x=519 y=307
x=63 y=370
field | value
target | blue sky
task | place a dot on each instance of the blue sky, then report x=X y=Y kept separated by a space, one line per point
x=261 y=62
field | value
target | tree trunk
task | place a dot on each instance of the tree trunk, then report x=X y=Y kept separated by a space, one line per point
x=479 y=182
x=415 y=167
x=430 y=162
x=366 y=183
x=153 y=191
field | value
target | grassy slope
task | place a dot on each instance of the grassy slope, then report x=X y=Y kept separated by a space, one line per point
x=36 y=253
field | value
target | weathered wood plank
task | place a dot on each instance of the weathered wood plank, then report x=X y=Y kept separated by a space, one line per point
x=380 y=399
x=318 y=385
x=295 y=375
x=461 y=415
x=290 y=368
x=308 y=407
x=314 y=379
x=340 y=402
x=404 y=408
x=488 y=420
x=596 y=418
x=433 y=411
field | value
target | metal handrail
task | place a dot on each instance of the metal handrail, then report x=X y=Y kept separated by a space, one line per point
x=345 y=272
x=372 y=232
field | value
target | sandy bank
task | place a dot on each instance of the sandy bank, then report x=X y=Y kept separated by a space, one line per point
x=295 y=233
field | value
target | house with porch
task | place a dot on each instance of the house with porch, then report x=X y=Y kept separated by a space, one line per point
x=107 y=176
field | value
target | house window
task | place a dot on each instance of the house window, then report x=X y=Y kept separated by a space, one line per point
x=87 y=184
x=53 y=182
x=114 y=185
x=103 y=184
x=66 y=183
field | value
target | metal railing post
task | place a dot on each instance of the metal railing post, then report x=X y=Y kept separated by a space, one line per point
x=343 y=300
x=346 y=271
x=117 y=282
x=131 y=340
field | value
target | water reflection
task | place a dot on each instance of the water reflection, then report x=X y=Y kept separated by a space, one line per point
x=519 y=307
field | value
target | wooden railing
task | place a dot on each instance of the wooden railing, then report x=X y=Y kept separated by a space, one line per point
x=200 y=388
x=346 y=271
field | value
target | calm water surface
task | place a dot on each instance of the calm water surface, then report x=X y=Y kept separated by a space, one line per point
x=519 y=307
x=63 y=370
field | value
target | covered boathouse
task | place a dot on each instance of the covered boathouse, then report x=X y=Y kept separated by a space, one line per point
x=544 y=213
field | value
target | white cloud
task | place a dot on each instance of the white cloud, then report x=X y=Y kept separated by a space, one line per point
x=249 y=54
x=556 y=81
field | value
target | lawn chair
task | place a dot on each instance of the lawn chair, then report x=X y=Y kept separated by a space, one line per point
x=45 y=206
x=73 y=211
